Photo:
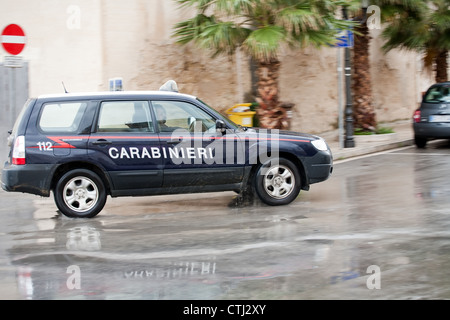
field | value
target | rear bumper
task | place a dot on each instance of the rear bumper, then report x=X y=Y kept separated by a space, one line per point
x=432 y=130
x=29 y=178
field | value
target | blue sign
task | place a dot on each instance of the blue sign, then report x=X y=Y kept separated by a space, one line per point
x=115 y=84
x=345 y=39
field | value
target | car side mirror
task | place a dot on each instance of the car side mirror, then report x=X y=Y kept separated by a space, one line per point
x=221 y=126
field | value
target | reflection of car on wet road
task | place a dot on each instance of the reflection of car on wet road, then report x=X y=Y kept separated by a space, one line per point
x=84 y=147
x=432 y=119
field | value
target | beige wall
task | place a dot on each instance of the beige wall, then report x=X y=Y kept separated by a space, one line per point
x=55 y=52
x=132 y=40
x=398 y=80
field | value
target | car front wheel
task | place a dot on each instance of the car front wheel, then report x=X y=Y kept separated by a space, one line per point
x=277 y=182
x=80 y=193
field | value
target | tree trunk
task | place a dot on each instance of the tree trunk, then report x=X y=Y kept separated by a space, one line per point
x=270 y=112
x=441 y=66
x=363 y=109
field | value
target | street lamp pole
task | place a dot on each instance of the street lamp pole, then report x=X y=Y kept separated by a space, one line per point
x=349 y=141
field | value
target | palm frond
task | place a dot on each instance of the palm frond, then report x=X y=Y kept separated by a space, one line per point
x=405 y=34
x=200 y=5
x=261 y=26
x=265 y=42
x=191 y=29
x=235 y=7
x=223 y=37
x=423 y=26
x=296 y=19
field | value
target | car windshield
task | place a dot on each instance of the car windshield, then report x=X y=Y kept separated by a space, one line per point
x=438 y=94
x=235 y=126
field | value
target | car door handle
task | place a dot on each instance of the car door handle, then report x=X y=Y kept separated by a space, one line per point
x=101 y=142
x=174 y=141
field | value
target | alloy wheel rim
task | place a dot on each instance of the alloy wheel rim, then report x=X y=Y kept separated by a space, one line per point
x=279 y=182
x=80 y=194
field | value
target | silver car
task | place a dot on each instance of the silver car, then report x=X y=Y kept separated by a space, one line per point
x=432 y=119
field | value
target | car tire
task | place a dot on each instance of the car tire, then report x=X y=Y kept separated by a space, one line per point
x=420 y=142
x=80 y=193
x=277 y=182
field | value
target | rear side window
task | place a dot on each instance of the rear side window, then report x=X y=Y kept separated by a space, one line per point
x=20 y=116
x=62 y=117
x=438 y=94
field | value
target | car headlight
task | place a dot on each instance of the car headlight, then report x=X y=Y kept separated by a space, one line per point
x=320 y=144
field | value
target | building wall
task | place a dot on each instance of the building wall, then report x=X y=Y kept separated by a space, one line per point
x=398 y=80
x=59 y=48
x=85 y=42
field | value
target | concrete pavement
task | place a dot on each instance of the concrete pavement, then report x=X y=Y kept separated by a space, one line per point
x=403 y=136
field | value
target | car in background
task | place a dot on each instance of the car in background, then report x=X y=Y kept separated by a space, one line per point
x=432 y=119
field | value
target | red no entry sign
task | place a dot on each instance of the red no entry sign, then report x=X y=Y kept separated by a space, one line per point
x=13 y=39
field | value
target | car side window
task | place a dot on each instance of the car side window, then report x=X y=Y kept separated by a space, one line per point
x=175 y=115
x=61 y=117
x=125 y=116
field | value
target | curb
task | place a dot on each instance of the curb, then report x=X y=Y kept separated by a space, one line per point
x=342 y=154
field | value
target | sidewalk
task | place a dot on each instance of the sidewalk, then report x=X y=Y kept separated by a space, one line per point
x=403 y=136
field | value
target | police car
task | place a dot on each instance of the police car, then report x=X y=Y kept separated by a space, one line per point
x=84 y=147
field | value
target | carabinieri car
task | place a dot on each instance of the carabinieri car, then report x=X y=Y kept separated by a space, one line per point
x=84 y=147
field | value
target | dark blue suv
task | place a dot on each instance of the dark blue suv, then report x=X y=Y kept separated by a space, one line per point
x=84 y=147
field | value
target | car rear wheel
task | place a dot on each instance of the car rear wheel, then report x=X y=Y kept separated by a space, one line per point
x=420 y=142
x=277 y=182
x=80 y=193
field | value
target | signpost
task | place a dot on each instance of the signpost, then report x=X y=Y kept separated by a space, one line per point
x=14 y=73
x=345 y=39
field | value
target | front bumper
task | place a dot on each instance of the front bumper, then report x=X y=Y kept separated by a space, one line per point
x=29 y=178
x=319 y=167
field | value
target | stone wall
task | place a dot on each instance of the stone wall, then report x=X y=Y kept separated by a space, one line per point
x=86 y=42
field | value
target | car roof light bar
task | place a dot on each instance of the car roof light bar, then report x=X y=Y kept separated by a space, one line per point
x=170 y=85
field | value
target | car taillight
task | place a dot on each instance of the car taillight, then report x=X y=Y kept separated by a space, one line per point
x=416 y=117
x=18 y=155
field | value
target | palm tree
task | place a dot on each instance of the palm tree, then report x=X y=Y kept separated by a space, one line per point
x=261 y=28
x=364 y=116
x=422 y=26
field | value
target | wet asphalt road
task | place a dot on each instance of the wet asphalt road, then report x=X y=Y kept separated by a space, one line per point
x=379 y=228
